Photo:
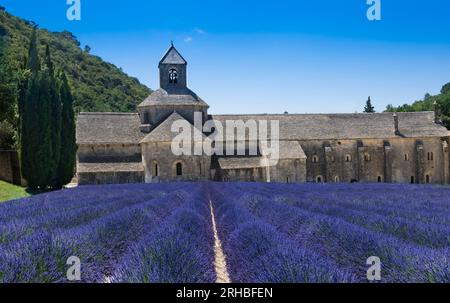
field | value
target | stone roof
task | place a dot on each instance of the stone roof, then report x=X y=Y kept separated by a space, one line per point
x=109 y=167
x=108 y=128
x=172 y=56
x=163 y=133
x=173 y=96
x=348 y=126
x=291 y=150
x=240 y=162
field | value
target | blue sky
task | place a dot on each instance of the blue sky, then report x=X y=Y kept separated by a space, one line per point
x=300 y=56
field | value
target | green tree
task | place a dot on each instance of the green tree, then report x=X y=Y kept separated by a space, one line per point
x=55 y=118
x=8 y=99
x=28 y=115
x=36 y=148
x=44 y=150
x=369 y=108
x=445 y=89
x=66 y=169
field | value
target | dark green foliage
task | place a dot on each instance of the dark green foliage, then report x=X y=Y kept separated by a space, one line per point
x=66 y=169
x=446 y=89
x=8 y=100
x=369 y=108
x=55 y=117
x=41 y=124
x=96 y=85
x=442 y=100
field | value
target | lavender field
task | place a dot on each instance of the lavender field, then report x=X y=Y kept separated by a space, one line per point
x=301 y=233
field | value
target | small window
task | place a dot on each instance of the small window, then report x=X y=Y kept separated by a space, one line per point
x=432 y=156
x=367 y=157
x=413 y=180
x=427 y=179
x=315 y=159
x=179 y=169
x=146 y=118
x=406 y=157
x=287 y=180
x=336 y=179
x=173 y=76
x=348 y=158
x=380 y=179
x=155 y=169
x=319 y=179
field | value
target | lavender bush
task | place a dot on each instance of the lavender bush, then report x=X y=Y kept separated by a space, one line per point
x=301 y=233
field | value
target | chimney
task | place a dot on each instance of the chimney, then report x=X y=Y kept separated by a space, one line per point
x=397 y=131
x=437 y=113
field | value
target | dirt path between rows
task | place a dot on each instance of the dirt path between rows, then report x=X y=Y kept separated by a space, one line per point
x=220 y=262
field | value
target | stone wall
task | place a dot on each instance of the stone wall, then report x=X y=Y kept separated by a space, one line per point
x=398 y=160
x=110 y=177
x=160 y=164
x=288 y=171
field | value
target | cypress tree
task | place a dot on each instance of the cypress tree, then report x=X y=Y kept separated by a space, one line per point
x=40 y=108
x=29 y=93
x=43 y=150
x=66 y=168
x=369 y=108
x=55 y=120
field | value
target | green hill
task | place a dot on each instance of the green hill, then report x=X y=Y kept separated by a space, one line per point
x=426 y=104
x=96 y=84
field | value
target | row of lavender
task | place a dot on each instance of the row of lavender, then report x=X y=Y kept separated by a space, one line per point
x=137 y=233
x=325 y=233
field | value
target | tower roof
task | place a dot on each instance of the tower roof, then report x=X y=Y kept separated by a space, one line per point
x=172 y=56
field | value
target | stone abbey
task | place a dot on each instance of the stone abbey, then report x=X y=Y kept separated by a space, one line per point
x=379 y=147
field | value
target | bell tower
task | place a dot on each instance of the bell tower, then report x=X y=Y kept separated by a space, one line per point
x=172 y=70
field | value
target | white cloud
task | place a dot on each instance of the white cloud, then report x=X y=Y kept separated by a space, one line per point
x=188 y=39
x=200 y=31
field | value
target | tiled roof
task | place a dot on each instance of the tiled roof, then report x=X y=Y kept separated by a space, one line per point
x=163 y=133
x=240 y=162
x=108 y=128
x=347 y=126
x=172 y=56
x=173 y=96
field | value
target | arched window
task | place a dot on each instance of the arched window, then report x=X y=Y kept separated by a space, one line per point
x=348 y=158
x=380 y=179
x=413 y=180
x=173 y=76
x=406 y=157
x=336 y=179
x=315 y=159
x=427 y=179
x=179 y=169
x=367 y=157
x=287 y=180
x=319 y=179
